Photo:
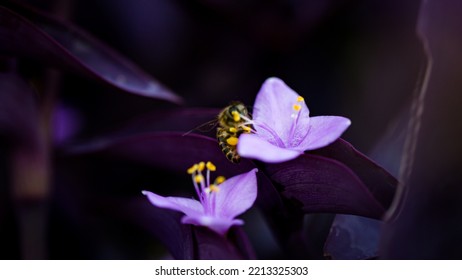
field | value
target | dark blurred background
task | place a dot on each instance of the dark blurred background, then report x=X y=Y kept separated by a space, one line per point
x=360 y=58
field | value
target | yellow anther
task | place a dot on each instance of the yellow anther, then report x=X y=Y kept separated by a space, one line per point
x=300 y=99
x=246 y=128
x=210 y=166
x=213 y=188
x=297 y=107
x=232 y=130
x=219 y=180
x=232 y=141
x=201 y=166
x=199 y=178
x=192 y=169
x=236 y=116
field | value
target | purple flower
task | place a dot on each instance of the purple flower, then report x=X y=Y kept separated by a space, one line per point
x=283 y=127
x=219 y=203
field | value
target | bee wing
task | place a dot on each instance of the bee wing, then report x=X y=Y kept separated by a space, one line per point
x=205 y=127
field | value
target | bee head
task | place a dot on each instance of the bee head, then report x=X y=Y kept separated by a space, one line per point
x=236 y=106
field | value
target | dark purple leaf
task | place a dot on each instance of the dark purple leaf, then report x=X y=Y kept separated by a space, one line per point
x=321 y=184
x=353 y=238
x=240 y=239
x=18 y=111
x=166 y=150
x=284 y=224
x=380 y=183
x=30 y=34
x=186 y=120
x=211 y=246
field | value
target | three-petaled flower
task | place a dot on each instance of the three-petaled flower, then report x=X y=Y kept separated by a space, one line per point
x=283 y=127
x=219 y=203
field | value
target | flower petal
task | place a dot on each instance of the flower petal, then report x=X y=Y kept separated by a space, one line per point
x=218 y=224
x=188 y=206
x=236 y=195
x=273 y=109
x=323 y=131
x=253 y=147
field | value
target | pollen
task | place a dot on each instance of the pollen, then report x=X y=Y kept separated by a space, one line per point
x=300 y=99
x=199 y=178
x=213 y=188
x=232 y=141
x=236 y=116
x=193 y=169
x=210 y=166
x=219 y=180
x=297 y=107
x=201 y=166
x=232 y=130
x=246 y=128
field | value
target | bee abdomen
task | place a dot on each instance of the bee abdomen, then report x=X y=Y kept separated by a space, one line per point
x=230 y=151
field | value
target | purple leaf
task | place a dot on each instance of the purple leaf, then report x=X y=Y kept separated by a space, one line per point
x=187 y=120
x=324 y=185
x=380 y=183
x=30 y=34
x=211 y=246
x=166 y=150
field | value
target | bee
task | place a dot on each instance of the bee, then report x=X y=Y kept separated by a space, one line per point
x=233 y=120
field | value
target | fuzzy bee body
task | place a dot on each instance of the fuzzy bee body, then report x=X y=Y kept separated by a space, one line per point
x=231 y=124
x=230 y=151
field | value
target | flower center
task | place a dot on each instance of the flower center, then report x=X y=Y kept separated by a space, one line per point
x=297 y=108
x=205 y=191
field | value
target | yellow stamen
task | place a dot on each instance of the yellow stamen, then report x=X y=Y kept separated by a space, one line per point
x=219 y=180
x=300 y=99
x=246 y=128
x=199 y=178
x=192 y=169
x=201 y=166
x=213 y=188
x=236 y=116
x=232 y=130
x=297 y=107
x=232 y=141
x=210 y=166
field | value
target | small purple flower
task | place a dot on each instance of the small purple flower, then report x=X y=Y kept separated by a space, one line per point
x=219 y=203
x=283 y=127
